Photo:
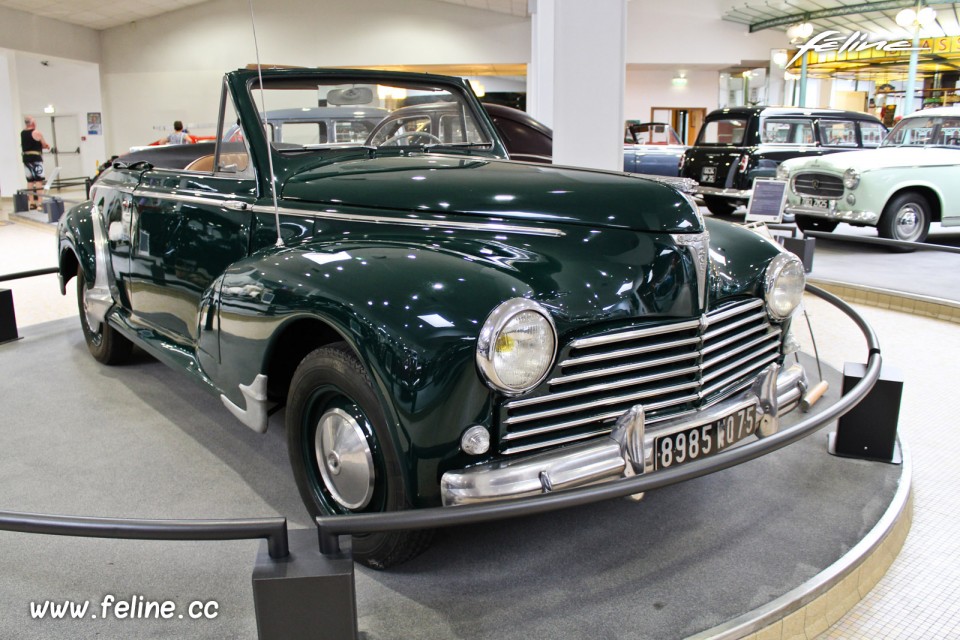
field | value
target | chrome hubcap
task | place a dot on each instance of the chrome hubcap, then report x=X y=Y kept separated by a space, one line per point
x=908 y=222
x=344 y=458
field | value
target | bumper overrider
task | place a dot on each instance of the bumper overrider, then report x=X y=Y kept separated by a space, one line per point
x=627 y=451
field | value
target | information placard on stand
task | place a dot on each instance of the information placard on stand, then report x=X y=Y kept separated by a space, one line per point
x=767 y=200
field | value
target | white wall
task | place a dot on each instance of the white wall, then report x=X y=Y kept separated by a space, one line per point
x=11 y=168
x=691 y=32
x=23 y=31
x=653 y=88
x=73 y=88
x=177 y=75
x=26 y=39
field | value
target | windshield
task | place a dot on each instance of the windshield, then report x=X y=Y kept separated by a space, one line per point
x=304 y=115
x=654 y=133
x=937 y=131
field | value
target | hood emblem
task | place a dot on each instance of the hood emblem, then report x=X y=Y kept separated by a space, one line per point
x=698 y=245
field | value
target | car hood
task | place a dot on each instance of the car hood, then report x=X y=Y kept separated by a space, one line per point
x=495 y=189
x=882 y=158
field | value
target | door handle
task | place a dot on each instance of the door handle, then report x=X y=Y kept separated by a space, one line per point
x=235 y=205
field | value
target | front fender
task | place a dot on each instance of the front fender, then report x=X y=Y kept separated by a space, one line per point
x=412 y=307
x=76 y=244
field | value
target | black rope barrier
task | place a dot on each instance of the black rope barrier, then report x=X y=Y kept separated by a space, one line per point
x=28 y=274
x=274 y=530
x=882 y=242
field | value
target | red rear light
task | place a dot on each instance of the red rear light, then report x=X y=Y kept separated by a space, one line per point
x=744 y=161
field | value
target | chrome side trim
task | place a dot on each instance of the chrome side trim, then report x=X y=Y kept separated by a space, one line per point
x=255 y=394
x=412 y=221
x=98 y=298
x=182 y=197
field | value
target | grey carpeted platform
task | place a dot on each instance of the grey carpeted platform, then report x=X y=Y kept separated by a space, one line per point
x=143 y=441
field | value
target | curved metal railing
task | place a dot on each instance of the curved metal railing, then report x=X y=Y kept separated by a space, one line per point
x=274 y=530
x=331 y=527
x=28 y=274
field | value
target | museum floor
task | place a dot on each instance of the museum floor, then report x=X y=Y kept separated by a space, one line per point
x=916 y=598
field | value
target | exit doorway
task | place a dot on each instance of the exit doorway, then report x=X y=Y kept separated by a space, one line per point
x=686 y=121
x=63 y=134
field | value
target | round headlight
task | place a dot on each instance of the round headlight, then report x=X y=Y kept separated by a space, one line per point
x=517 y=346
x=782 y=172
x=851 y=179
x=784 y=285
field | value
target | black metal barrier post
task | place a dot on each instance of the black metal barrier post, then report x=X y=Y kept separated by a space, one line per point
x=869 y=431
x=8 y=315
x=307 y=595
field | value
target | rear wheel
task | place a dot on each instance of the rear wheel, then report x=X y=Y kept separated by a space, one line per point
x=105 y=343
x=342 y=455
x=807 y=223
x=720 y=206
x=905 y=218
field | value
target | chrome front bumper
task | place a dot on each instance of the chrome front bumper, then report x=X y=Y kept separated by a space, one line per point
x=864 y=217
x=739 y=194
x=627 y=451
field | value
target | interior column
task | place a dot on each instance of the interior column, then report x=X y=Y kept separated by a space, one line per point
x=588 y=78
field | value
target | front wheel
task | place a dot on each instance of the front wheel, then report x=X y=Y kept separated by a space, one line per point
x=905 y=218
x=808 y=223
x=342 y=455
x=105 y=343
x=720 y=206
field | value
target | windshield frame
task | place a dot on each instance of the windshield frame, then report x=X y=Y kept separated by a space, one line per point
x=457 y=91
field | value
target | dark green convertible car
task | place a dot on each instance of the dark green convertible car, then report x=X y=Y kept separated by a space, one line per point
x=444 y=326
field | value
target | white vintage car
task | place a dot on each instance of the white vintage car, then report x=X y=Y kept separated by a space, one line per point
x=911 y=180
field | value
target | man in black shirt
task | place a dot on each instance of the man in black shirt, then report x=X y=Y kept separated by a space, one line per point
x=32 y=144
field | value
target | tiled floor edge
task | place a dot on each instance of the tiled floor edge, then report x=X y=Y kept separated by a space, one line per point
x=915 y=304
x=814 y=606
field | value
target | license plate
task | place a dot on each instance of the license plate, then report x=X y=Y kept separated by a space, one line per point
x=708 y=174
x=705 y=440
x=816 y=203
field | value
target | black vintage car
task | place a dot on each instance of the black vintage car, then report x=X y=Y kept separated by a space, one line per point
x=739 y=144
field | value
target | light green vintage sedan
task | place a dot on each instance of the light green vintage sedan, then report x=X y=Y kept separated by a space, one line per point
x=913 y=179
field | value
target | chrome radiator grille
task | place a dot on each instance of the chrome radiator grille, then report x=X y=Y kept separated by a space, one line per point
x=670 y=369
x=821 y=185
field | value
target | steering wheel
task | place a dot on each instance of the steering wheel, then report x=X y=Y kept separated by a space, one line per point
x=411 y=134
